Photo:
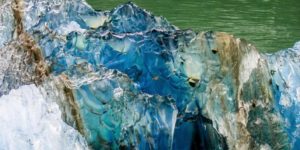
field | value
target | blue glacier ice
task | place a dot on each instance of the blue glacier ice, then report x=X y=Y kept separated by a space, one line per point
x=126 y=79
x=284 y=66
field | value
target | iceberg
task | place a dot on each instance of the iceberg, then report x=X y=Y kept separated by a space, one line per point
x=126 y=79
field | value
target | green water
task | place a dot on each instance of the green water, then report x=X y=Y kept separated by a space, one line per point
x=271 y=25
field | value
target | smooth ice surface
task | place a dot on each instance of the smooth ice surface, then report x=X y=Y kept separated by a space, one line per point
x=28 y=121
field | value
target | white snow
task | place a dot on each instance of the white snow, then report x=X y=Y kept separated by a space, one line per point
x=28 y=121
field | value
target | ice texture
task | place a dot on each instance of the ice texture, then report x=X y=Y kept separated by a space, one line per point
x=126 y=79
x=119 y=115
x=285 y=68
x=16 y=67
x=6 y=22
x=31 y=122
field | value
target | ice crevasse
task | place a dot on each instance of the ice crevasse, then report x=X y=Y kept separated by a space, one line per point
x=72 y=77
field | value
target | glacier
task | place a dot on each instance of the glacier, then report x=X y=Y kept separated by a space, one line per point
x=126 y=79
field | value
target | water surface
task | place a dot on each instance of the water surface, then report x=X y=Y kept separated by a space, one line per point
x=269 y=24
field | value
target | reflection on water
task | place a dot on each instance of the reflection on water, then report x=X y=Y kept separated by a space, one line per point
x=269 y=24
